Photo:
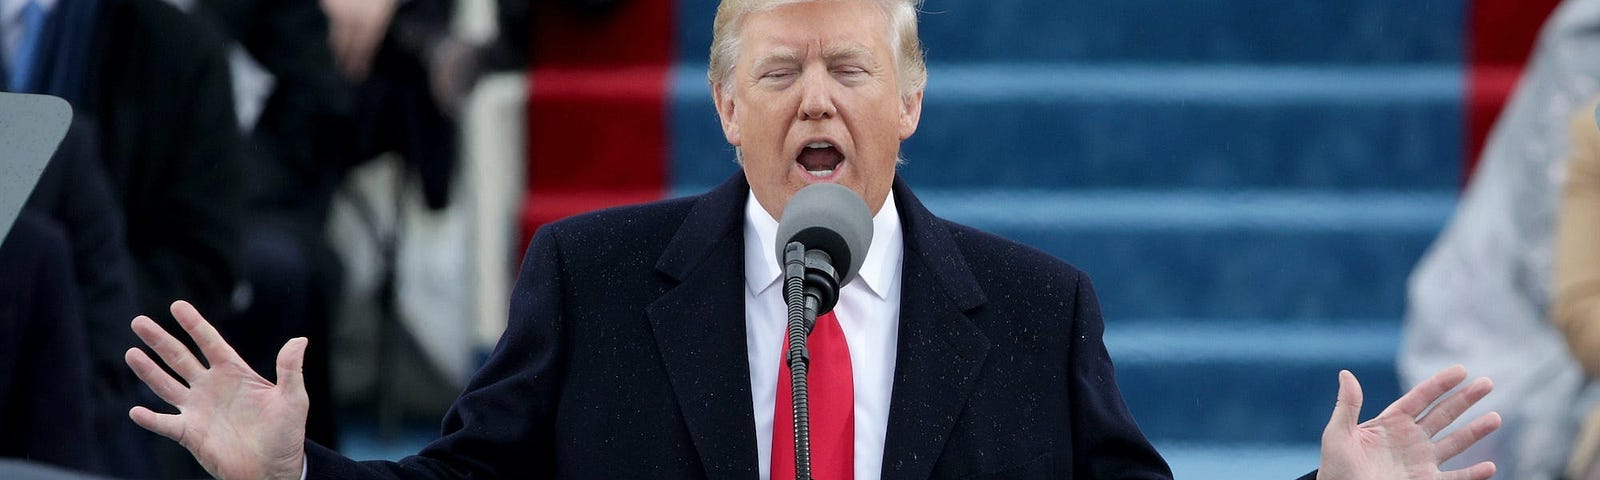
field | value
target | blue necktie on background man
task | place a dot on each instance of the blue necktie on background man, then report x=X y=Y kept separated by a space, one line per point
x=22 y=61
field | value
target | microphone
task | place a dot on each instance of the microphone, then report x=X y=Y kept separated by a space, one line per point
x=822 y=242
x=834 y=229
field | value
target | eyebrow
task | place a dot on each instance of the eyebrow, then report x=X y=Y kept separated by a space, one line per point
x=779 y=55
x=835 y=53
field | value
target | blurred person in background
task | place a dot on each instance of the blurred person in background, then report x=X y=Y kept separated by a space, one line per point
x=402 y=60
x=150 y=90
x=412 y=73
x=409 y=71
x=73 y=191
x=1481 y=295
x=295 y=118
x=1576 y=309
x=319 y=87
x=156 y=87
x=45 y=403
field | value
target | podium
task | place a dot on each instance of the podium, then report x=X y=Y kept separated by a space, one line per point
x=31 y=128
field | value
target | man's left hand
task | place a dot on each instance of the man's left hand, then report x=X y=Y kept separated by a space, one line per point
x=1398 y=443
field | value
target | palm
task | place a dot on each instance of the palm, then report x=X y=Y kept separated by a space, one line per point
x=1398 y=443
x=236 y=423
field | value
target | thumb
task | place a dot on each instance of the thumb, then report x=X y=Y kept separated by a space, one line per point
x=291 y=359
x=1347 y=409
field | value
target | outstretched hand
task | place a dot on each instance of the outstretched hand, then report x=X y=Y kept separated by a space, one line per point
x=237 y=424
x=1398 y=443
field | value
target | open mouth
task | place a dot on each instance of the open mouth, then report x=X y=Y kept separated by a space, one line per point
x=820 y=159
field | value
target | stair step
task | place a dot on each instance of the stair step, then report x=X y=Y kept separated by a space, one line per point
x=1221 y=381
x=1211 y=461
x=1149 y=126
x=1296 y=31
x=1303 y=255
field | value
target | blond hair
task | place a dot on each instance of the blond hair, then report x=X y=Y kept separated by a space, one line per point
x=902 y=16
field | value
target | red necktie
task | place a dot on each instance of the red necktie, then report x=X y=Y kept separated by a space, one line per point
x=832 y=406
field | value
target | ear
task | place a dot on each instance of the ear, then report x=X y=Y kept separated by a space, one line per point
x=910 y=114
x=725 y=113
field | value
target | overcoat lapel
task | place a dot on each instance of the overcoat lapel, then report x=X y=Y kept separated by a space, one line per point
x=699 y=329
x=940 y=349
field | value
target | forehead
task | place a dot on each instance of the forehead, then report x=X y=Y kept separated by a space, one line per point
x=829 y=24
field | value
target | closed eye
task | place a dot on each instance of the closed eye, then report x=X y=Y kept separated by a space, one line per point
x=851 y=76
x=779 y=74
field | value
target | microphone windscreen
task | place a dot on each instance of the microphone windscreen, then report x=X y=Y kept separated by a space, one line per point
x=831 y=218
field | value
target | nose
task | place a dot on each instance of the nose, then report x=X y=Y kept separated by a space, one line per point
x=816 y=102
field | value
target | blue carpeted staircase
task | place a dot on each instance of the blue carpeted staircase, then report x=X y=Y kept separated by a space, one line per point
x=1249 y=182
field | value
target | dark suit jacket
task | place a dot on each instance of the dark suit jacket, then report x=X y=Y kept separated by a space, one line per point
x=625 y=358
x=146 y=183
x=152 y=87
x=45 y=410
x=159 y=89
x=74 y=192
x=300 y=146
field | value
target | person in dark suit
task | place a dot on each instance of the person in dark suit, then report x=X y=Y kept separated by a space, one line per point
x=45 y=408
x=156 y=86
x=643 y=341
x=297 y=152
x=74 y=192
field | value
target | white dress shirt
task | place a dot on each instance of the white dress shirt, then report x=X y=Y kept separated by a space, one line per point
x=868 y=312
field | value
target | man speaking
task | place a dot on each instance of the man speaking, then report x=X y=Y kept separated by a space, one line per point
x=646 y=341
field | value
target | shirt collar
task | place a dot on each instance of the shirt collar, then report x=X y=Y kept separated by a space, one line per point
x=877 y=270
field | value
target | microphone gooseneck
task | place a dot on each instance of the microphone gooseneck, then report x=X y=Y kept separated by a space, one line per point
x=822 y=242
x=796 y=356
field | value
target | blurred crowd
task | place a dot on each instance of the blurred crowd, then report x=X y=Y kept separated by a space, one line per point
x=208 y=142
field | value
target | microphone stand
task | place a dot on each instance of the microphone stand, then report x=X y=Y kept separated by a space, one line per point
x=802 y=316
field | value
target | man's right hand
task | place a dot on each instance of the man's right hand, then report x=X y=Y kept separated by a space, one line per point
x=237 y=424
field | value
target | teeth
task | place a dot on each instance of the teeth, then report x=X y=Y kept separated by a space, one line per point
x=819 y=145
x=820 y=173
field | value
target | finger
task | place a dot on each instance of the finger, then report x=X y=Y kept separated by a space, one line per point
x=215 y=349
x=291 y=359
x=1481 y=471
x=164 y=385
x=1347 y=408
x=1459 y=440
x=171 y=351
x=1447 y=411
x=1415 y=401
x=162 y=424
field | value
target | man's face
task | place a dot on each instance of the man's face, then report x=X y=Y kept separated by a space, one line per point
x=814 y=97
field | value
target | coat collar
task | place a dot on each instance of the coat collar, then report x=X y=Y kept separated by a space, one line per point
x=699 y=328
x=940 y=349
